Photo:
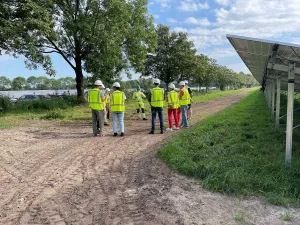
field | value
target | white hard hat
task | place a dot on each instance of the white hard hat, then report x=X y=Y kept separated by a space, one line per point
x=98 y=83
x=171 y=85
x=107 y=89
x=182 y=83
x=156 y=81
x=186 y=82
x=103 y=86
x=116 y=84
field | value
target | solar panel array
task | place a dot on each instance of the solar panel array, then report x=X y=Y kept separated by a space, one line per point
x=268 y=59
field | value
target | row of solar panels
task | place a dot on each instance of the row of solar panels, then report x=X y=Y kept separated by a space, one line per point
x=268 y=59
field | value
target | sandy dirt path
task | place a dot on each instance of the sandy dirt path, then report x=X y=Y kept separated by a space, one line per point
x=60 y=174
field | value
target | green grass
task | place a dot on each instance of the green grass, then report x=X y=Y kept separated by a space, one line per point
x=238 y=152
x=286 y=216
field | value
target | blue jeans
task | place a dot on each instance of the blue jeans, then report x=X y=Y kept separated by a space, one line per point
x=184 y=121
x=118 y=117
x=158 y=110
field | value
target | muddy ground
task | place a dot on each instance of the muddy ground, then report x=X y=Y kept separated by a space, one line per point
x=60 y=174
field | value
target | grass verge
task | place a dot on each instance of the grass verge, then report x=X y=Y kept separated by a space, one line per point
x=238 y=152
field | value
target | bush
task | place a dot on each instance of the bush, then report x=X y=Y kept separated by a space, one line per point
x=42 y=104
x=5 y=103
x=56 y=114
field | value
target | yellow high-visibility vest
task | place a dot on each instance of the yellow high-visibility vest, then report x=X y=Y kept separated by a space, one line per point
x=138 y=96
x=117 y=101
x=94 y=99
x=173 y=99
x=186 y=98
x=157 y=97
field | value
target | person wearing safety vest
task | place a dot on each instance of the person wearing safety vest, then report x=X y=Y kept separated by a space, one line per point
x=157 y=104
x=138 y=96
x=189 y=109
x=173 y=105
x=107 y=100
x=117 y=107
x=96 y=98
x=184 y=101
x=104 y=104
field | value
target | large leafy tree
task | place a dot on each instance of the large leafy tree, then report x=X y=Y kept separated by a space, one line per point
x=99 y=36
x=19 y=83
x=5 y=83
x=173 y=57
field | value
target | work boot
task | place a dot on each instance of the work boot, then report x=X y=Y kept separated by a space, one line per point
x=115 y=134
x=106 y=124
x=161 y=131
x=144 y=118
x=122 y=134
x=151 y=132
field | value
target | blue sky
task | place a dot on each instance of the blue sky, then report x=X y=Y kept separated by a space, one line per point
x=207 y=22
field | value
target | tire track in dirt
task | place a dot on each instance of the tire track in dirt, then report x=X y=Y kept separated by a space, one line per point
x=61 y=175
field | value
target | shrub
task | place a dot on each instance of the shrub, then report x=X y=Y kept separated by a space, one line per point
x=5 y=103
x=56 y=114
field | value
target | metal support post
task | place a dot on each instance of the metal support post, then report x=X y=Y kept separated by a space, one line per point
x=278 y=104
x=290 y=111
x=273 y=99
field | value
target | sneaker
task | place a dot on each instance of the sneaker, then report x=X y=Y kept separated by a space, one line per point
x=181 y=125
x=176 y=128
x=122 y=134
x=169 y=129
x=186 y=127
x=144 y=118
x=151 y=132
x=162 y=131
x=115 y=134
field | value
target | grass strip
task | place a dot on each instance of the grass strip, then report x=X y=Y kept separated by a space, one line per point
x=238 y=152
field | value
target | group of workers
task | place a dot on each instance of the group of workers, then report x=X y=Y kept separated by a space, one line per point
x=102 y=102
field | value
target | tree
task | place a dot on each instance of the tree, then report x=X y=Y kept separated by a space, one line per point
x=98 y=36
x=199 y=70
x=32 y=82
x=173 y=57
x=210 y=74
x=5 y=83
x=42 y=83
x=19 y=83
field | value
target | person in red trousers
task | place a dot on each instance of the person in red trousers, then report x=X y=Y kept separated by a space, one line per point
x=173 y=105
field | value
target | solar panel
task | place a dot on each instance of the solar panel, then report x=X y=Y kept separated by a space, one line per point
x=268 y=59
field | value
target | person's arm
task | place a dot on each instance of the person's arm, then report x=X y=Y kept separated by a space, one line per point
x=102 y=95
x=181 y=93
x=190 y=92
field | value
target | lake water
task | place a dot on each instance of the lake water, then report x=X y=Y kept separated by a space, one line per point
x=18 y=94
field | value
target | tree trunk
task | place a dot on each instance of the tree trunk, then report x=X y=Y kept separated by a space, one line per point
x=79 y=78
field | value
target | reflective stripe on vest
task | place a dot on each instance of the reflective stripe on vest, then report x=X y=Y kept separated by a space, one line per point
x=117 y=101
x=157 y=97
x=186 y=98
x=173 y=99
x=94 y=98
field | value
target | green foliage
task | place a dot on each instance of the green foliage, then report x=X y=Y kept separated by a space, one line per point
x=19 y=83
x=52 y=115
x=5 y=83
x=102 y=37
x=238 y=152
x=5 y=103
x=286 y=216
x=173 y=57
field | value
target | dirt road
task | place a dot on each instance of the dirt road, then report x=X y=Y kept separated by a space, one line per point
x=61 y=174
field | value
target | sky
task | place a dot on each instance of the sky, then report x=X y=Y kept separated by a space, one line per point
x=206 y=22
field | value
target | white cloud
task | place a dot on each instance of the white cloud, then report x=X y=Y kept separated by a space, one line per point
x=172 y=20
x=180 y=29
x=201 y=22
x=164 y=4
x=296 y=41
x=260 y=19
x=192 y=6
x=223 y=2
x=218 y=53
x=239 y=67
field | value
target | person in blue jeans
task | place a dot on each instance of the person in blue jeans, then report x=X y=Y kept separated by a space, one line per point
x=157 y=104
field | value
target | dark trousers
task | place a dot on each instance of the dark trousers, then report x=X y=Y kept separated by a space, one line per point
x=159 y=111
